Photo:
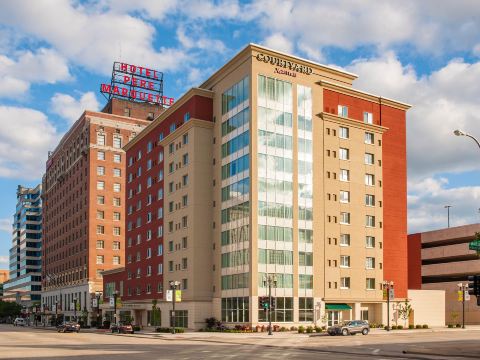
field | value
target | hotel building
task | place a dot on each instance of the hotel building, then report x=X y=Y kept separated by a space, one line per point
x=84 y=202
x=275 y=166
x=25 y=260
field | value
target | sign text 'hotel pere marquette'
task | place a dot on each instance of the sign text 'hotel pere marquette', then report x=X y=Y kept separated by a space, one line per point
x=284 y=67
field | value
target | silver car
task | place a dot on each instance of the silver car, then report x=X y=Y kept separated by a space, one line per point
x=350 y=327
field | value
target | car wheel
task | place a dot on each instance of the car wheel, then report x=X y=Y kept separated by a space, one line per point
x=344 y=332
x=364 y=331
x=133 y=332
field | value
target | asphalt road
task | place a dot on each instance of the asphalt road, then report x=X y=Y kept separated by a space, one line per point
x=28 y=343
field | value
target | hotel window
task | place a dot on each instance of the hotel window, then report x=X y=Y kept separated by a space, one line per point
x=345 y=218
x=344 y=154
x=130 y=161
x=344 y=239
x=173 y=127
x=369 y=200
x=100 y=229
x=342 y=111
x=149 y=181
x=345 y=283
x=149 y=164
x=100 y=259
x=170 y=246
x=185 y=139
x=367 y=117
x=184 y=284
x=344 y=175
x=185 y=221
x=160 y=269
x=160 y=175
x=170 y=226
x=139 y=273
x=170 y=187
x=100 y=200
x=171 y=148
x=170 y=266
x=117 y=158
x=305 y=309
x=184 y=263
x=117 y=172
x=100 y=185
x=160 y=156
x=100 y=215
x=116 y=245
x=370 y=284
x=344 y=261
x=185 y=159
x=160 y=194
x=160 y=231
x=160 y=213
x=160 y=286
x=344 y=196
x=370 y=263
x=101 y=139
x=186 y=117
x=149 y=217
x=116 y=260
x=116 y=187
x=185 y=180
x=100 y=244
x=138 y=256
x=116 y=216
x=117 y=142
x=370 y=242
x=369 y=159
x=149 y=253
x=369 y=221
x=184 y=243
x=130 y=178
x=160 y=250
x=369 y=138
x=170 y=168
x=139 y=171
x=116 y=231
x=100 y=155
x=185 y=200
x=129 y=261
x=149 y=273
x=369 y=179
x=343 y=132
x=149 y=147
x=305 y=258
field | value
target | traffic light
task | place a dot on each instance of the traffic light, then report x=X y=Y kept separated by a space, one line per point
x=274 y=303
x=474 y=285
x=263 y=303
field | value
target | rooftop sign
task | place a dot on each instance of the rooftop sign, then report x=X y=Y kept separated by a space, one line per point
x=285 y=67
x=136 y=83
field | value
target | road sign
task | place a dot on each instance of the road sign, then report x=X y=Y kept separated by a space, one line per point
x=54 y=308
x=112 y=301
x=94 y=303
x=460 y=297
x=467 y=295
x=178 y=295
x=72 y=306
x=391 y=294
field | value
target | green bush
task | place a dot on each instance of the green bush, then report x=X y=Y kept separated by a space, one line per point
x=425 y=326
x=418 y=326
x=301 y=329
x=394 y=327
x=400 y=327
x=293 y=328
x=458 y=326
x=380 y=326
x=385 y=327
x=136 y=328
x=283 y=329
x=318 y=329
x=411 y=326
x=450 y=326
x=309 y=329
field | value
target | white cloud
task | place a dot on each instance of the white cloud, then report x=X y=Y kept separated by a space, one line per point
x=4 y=261
x=199 y=42
x=70 y=108
x=6 y=225
x=278 y=41
x=25 y=139
x=427 y=200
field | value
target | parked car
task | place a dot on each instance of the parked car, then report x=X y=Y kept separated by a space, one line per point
x=69 y=326
x=122 y=328
x=350 y=327
x=19 y=322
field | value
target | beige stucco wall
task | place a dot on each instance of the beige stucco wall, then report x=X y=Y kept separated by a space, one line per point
x=428 y=307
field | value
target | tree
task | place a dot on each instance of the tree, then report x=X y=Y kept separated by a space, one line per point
x=11 y=309
x=405 y=310
x=155 y=319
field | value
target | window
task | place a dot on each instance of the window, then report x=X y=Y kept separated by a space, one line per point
x=160 y=269
x=369 y=200
x=116 y=260
x=369 y=138
x=160 y=231
x=149 y=217
x=343 y=132
x=101 y=139
x=185 y=180
x=186 y=116
x=185 y=159
x=100 y=200
x=369 y=221
x=369 y=159
x=160 y=156
x=170 y=187
x=116 y=216
x=117 y=172
x=117 y=158
x=344 y=154
x=116 y=231
x=370 y=263
x=160 y=213
x=344 y=175
x=344 y=218
x=185 y=200
x=173 y=127
x=116 y=201
x=184 y=263
x=160 y=194
x=370 y=242
x=171 y=148
x=344 y=196
x=160 y=175
x=367 y=117
x=184 y=221
x=370 y=285
x=116 y=245
x=117 y=142
x=344 y=261
x=184 y=243
x=160 y=250
x=369 y=179
x=130 y=161
x=342 y=111
x=170 y=168
x=184 y=284
x=116 y=187
x=185 y=139
x=181 y=318
x=149 y=147
x=149 y=253
x=304 y=258
x=100 y=244
x=305 y=309
x=170 y=246
x=344 y=239
x=126 y=112
x=149 y=164
x=100 y=259
x=100 y=229
x=149 y=181
x=345 y=283
x=100 y=155
x=100 y=185
x=100 y=215
x=170 y=266
x=235 y=309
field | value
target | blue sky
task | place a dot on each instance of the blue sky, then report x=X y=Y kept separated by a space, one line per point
x=54 y=55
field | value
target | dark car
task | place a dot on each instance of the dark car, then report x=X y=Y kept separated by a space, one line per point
x=350 y=327
x=122 y=328
x=69 y=326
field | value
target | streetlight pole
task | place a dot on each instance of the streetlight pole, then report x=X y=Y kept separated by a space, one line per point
x=75 y=308
x=173 y=286
x=448 y=214
x=97 y=295
x=270 y=280
x=463 y=288
x=56 y=312
x=463 y=133
x=388 y=285
x=115 y=294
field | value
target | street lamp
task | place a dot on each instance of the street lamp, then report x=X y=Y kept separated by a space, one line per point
x=448 y=214
x=56 y=310
x=388 y=285
x=75 y=307
x=270 y=280
x=97 y=296
x=463 y=288
x=463 y=133
x=173 y=286
x=115 y=295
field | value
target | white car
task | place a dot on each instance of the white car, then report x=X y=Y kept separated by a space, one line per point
x=19 y=322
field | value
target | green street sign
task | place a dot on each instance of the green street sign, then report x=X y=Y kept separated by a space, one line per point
x=474 y=245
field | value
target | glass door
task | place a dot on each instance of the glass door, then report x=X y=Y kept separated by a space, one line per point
x=334 y=317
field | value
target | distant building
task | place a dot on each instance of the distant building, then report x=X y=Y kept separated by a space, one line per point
x=440 y=260
x=3 y=278
x=24 y=285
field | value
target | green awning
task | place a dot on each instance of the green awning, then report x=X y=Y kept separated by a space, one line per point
x=338 y=307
